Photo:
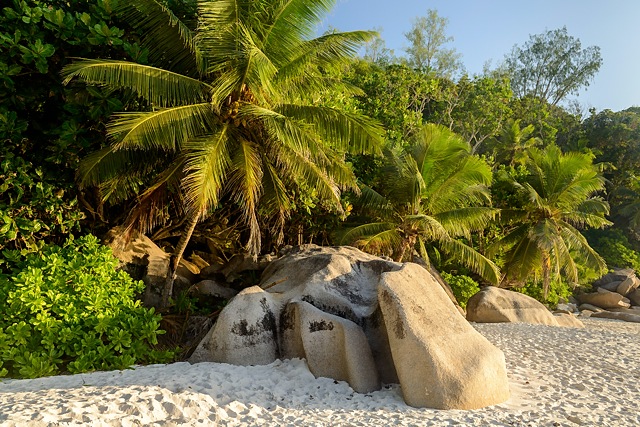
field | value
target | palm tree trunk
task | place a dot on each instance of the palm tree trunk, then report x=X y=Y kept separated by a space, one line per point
x=399 y=254
x=167 y=291
x=546 y=274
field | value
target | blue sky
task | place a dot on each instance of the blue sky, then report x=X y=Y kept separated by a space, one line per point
x=487 y=29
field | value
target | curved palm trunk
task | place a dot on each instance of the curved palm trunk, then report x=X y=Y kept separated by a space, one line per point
x=407 y=245
x=167 y=291
x=546 y=274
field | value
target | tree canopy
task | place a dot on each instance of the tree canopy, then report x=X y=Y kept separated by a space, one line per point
x=552 y=65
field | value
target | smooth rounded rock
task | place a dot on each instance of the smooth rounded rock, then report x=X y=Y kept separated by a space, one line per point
x=496 y=305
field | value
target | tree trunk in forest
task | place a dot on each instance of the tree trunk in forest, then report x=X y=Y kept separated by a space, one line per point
x=546 y=274
x=399 y=255
x=167 y=291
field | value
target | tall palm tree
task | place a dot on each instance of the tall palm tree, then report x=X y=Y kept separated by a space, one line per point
x=231 y=111
x=434 y=193
x=512 y=144
x=561 y=196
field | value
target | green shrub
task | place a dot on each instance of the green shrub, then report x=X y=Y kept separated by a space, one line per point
x=557 y=290
x=68 y=309
x=615 y=248
x=463 y=287
x=31 y=208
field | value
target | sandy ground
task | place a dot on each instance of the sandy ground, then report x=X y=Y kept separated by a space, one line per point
x=558 y=377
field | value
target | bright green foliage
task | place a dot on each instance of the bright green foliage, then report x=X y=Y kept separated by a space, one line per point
x=558 y=195
x=394 y=94
x=31 y=209
x=511 y=146
x=234 y=117
x=434 y=193
x=614 y=137
x=68 y=309
x=475 y=108
x=463 y=287
x=558 y=289
x=615 y=248
x=36 y=39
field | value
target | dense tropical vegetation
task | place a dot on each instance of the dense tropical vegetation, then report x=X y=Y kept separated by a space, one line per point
x=229 y=125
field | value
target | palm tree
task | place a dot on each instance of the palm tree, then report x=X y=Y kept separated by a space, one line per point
x=513 y=143
x=560 y=197
x=232 y=112
x=434 y=192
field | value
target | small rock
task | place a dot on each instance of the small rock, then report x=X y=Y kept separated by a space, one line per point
x=627 y=285
x=611 y=286
x=618 y=316
x=589 y=307
x=214 y=289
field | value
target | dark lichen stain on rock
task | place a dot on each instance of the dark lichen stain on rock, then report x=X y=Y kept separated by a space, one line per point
x=269 y=319
x=322 y=325
x=398 y=324
x=342 y=286
x=287 y=318
x=266 y=324
x=242 y=328
x=344 y=312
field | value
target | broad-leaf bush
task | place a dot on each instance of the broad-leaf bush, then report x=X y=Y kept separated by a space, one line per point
x=615 y=248
x=558 y=290
x=463 y=287
x=31 y=208
x=68 y=309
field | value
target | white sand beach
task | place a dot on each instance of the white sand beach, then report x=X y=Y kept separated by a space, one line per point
x=558 y=377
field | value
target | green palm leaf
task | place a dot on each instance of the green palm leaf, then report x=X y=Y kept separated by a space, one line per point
x=160 y=87
x=170 y=43
x=163 y=129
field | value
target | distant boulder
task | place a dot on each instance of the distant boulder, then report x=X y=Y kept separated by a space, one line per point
x=496 y=305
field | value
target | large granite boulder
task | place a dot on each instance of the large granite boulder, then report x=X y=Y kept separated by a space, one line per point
x=617 y=275
x=245 y=333
x=441 y=360
x=634 y=297
x=324 y=304
x=604 y=299
x=334 y=347
x=496 y=305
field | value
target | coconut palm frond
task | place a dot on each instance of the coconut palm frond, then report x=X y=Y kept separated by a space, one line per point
x=577 y=242
x=151 y=207
x=163 y=129
x=107 y=163
x=472 y=259
x=460 y=222
x=330 y=49
x=347 y=132
x=160 y=87
x=207 y=161
x=308 y=172
x=245 y=186
x=374 y=201
x=275 y=200
x=523 y=258
x=170 y=42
